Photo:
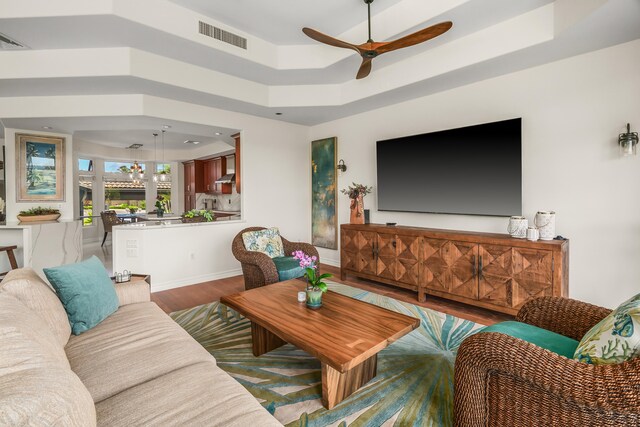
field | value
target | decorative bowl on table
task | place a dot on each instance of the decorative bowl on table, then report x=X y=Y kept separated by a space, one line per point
x=39 y=214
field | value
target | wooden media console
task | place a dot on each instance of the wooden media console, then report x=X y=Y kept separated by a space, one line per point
x=493 y=271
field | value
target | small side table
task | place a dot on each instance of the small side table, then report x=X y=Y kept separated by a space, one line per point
x=137 y=278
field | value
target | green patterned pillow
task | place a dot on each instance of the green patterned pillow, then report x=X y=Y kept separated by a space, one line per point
x=615 y=339
x=267 y=241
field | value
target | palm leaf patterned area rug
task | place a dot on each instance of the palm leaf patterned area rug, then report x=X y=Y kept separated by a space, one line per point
x=413 y=387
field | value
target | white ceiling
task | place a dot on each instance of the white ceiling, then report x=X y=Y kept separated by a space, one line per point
x=281 y=21
x=152 y=47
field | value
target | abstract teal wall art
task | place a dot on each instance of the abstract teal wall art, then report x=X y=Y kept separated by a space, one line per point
x=324 y=219
x=40 y=164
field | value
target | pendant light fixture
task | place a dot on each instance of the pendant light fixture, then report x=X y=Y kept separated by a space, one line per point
x=155 y=156
x=136 y=173
x=164 y=175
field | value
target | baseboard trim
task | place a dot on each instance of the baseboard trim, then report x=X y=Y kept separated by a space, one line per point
x=193 y=280
x=331 y=262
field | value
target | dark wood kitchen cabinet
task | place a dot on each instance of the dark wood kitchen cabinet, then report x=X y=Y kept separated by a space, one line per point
x=237 y=139
x=193 y=182
x=213 y=170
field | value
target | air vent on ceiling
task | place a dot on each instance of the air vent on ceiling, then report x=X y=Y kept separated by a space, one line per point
x=7 y=43
x=222 y=35
x=135 y=146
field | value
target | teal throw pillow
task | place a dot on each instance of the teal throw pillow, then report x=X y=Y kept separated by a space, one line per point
x=267 y=241
x=86 y=292
x=615 y=339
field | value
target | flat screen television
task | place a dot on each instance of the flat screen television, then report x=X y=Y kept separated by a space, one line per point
x=473 y=170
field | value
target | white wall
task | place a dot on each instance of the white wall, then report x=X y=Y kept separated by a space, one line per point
x=14 y=207
x=572 y=111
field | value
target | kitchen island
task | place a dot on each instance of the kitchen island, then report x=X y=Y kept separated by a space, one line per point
x=177 y=254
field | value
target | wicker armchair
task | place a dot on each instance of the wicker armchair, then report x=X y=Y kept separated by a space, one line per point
x=109 y=219
x=504 y=381
x=258 y=269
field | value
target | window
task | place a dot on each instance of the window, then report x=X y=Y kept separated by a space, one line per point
x=85 y=165
x=121 y=167
x=125 y=195
x=163 y=168
x=121 y=193
x=86 y=179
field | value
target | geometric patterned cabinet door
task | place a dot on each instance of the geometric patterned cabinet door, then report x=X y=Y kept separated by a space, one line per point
x=408 y=265
x=358 y=251
x=511 y=276
x=387 y=256
x=450 y=267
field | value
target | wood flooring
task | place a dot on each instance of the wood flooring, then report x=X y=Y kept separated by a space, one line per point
x=202 y=293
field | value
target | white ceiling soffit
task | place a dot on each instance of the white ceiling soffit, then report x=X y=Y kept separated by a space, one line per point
x=121 y=131
x=167 y=29
x=122 y=47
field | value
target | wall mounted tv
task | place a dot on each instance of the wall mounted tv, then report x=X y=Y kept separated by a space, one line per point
x=473 y=170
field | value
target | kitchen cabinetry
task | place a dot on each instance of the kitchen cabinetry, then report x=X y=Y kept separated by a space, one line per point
x=488 y=270
x=214 y=169
x=193 y=182
x=237 y=139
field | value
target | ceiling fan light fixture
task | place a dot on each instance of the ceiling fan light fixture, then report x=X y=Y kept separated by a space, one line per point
x=370 y=49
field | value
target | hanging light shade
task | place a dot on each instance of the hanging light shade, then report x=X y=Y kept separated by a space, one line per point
x=155 y=156
x=628 y=142
x=136 y=173
x=164 y=175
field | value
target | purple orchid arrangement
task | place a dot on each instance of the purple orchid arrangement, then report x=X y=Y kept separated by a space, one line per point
x=309 y=263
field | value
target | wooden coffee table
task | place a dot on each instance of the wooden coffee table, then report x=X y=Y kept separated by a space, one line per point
x=345 y=334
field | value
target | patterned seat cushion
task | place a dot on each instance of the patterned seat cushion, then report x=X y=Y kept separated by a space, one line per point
x=615 y=339
x=288 y=268
x=267 y=241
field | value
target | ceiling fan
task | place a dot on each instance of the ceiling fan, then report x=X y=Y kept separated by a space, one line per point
x=371 y=49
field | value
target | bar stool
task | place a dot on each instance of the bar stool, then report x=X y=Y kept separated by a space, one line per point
x=12 y=258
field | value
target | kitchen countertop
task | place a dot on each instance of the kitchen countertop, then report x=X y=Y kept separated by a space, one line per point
x=19 y=225
x=149 y=225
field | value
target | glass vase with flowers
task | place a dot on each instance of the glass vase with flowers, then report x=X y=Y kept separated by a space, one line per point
x=315 y=285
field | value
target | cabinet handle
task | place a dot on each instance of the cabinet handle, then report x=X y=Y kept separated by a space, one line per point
x=480 y=266
x=474 y=271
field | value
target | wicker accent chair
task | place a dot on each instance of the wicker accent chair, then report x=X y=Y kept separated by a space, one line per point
x=109 y=219
x=504 y=381
x=257 y=268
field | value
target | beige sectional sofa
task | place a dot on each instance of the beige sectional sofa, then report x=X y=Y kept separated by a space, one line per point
x=137 y=367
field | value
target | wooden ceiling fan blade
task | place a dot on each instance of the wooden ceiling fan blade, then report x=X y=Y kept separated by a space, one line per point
x=323 y=38
x=365 y=68
x=416 y=38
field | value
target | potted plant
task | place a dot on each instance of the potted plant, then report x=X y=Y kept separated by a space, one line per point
x=356 y=193
x=315 y=285
x=39 y=214
x=198 y=215
x=159 y=206
x=133 y=210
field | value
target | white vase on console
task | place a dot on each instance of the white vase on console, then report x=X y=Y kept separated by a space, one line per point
x=518 y=227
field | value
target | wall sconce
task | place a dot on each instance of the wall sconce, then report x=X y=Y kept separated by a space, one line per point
x=343 y=168
x=628 y=142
